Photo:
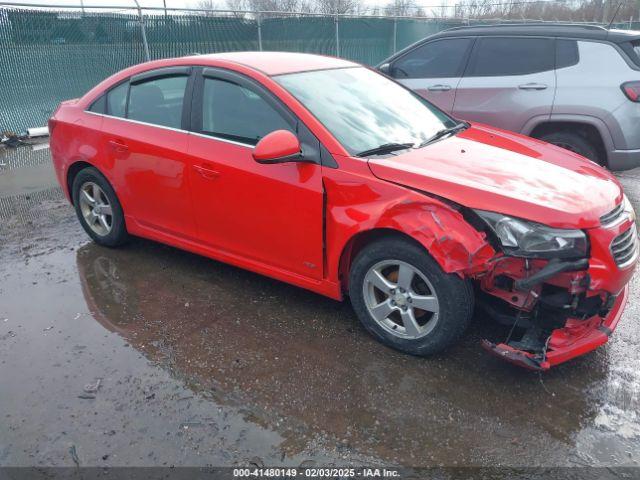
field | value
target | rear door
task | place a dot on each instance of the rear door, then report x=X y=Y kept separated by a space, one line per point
x=508 y=81
x=145 y=146
x=433 y=69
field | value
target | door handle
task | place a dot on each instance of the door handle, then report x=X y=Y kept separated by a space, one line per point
x=205 y=172
x=439 y=88
x=533 y=86
x=118 y=146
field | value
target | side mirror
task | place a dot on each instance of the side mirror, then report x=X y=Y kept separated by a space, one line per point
x=385 y=68
x=280 y=146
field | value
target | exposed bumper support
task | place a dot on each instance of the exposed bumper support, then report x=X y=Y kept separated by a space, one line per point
x=565 y=343
x=551 y=269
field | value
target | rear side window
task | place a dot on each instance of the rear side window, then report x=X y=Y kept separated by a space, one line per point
x=442 y=58
x=566 y=53
x=237 y=113
x=505 y=56
x=117 y=100
x=158 y=101
x=99 y=105
x=634 y=51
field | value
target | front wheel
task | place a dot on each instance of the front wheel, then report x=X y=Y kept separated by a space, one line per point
x=402 y=296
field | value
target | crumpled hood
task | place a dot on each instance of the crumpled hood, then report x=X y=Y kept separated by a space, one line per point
x=491 y=169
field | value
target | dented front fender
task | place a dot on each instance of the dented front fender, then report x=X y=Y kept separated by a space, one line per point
x=356 y=208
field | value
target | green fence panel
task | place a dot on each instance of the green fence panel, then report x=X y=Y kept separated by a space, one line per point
x=49 y=57
x=299 y=34
x=366 y=40
x=179 y=35
x=410 y=31
x=627 y=25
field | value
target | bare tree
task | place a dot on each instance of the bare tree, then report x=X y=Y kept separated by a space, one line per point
x=276 y=5
x=333 y=7
x=207 y=5
x=403 y=8
x=559 y=10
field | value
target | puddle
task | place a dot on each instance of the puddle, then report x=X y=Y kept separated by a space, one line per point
x=203 y=363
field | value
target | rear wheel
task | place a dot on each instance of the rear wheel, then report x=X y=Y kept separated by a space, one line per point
x=574 y=142
x=402 y=296
x=98 y=208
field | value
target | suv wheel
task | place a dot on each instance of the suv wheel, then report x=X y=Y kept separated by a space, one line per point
x=575 y=143
x=402 y=297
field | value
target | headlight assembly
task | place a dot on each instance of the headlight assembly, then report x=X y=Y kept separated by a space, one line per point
x=521 y=238
x=628 y=208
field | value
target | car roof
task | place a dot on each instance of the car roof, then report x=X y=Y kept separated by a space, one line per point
x=592 y=32
x=278 y=63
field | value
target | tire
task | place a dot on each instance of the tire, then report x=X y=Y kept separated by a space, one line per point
x=87 y=180
x=436 y=331
x=574 y=142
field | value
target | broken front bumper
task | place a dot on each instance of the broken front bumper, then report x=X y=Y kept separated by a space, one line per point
x=576 y=338
x=567 y=314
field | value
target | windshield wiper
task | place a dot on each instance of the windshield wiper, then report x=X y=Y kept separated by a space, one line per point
x=384 y=148
x=444 y=132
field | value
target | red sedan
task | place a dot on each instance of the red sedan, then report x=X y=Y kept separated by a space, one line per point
x=327 y=175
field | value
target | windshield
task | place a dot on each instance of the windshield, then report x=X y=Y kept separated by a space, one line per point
x=364 y=109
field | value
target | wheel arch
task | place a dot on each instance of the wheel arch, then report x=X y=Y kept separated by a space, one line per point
x=361 y=240
x=72 y=171
x=443 y=233
x=592 y=128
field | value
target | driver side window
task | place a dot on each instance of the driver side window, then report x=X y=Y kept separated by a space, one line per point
x=437 y=59
x=236 y=113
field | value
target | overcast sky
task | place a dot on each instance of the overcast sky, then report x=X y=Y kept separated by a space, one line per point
x=181 y=3
x=144 y=3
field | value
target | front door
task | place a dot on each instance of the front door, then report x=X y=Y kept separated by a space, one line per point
x=271 y=214
x=433 y=69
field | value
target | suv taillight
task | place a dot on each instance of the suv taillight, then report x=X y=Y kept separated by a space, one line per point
x=632 y=91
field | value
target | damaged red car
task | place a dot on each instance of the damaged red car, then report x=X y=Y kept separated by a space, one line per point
x=325 y=174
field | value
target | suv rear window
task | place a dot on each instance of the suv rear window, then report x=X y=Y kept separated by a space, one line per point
x=501 y=56
x=634 y=52
x=566 y=53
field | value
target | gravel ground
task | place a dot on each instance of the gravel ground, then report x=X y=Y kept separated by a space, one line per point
x=148 y=355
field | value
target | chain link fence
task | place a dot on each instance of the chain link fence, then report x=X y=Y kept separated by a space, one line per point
x=49 y=55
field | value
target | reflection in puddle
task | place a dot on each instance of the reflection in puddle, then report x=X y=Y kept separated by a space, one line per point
x=28 y=187
x=24 y=209
x=305 y=362
x=25 y=156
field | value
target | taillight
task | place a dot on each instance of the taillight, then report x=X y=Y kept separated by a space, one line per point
x=52 y=124
x=632 y=91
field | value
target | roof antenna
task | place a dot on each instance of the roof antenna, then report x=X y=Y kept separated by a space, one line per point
x=614 y=16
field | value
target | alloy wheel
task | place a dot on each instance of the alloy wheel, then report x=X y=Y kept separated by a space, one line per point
x=96 y=209
x=401 y=299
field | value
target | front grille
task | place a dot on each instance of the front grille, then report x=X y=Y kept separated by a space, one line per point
x=624 y=247
x=612 y=216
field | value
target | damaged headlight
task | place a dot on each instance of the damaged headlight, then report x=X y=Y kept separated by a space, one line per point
x=522 y=238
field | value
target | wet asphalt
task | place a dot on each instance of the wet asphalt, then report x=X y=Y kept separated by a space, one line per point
x=150 y=356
